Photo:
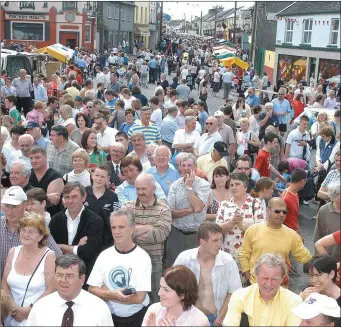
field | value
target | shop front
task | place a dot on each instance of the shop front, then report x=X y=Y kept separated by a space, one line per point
x=328 y=68
x=291 y=67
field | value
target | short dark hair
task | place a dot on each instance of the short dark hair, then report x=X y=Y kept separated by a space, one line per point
x=61 y=131
x=131 y=160
x=120 y=103
x=337 y=113
x=227 y=110
x=129 y=111
x=256 y=109
x=283 y=165
x=17 y=130
x=304 y=117
x=136 y=90
x=173 y=93
x=269 y=137
x=88 y=82
x=69 y=187
x=208 y=227
x=244 y=158
x=102 y=167
x=201 y=103
x=124 y=134
x=37 y=194
x=183 y=281
x=65 y=261
x=298 y=174
x=324 y=264
x=240 y=177
x=220 y=170
x=85 y=117
x=12 y=98
x=38 y=149
x=86 y=100
x=154 y=100
x=111 y=92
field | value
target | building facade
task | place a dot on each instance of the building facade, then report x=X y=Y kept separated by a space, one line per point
x=71 y=23
x=153 y=39
x=141 y=23
x=117 y=24
x=308 y=41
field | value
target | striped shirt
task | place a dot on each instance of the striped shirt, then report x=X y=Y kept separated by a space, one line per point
x=151 y=132
x=158 y=215
x=10 y=240
x=23 y=87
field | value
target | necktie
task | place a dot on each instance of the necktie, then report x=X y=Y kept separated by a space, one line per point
x=68 y=315
x=116 y=169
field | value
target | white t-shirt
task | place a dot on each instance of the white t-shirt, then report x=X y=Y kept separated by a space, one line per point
x=157 y=117
x=296 y=151
x=242 y=145
x=118 y=270
x=108 y=137
x=83 y=177
x=254 y=125
x=181 y=137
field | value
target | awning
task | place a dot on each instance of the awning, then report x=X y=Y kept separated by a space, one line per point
x=225 y=55
x=228 y=62
x=57 y=51
x=141 y=31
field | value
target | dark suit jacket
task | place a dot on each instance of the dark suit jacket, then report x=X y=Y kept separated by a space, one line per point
x=90 y=225
x=114 y=179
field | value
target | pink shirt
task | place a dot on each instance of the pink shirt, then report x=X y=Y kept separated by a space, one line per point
x=191 y=317
x=35 y=116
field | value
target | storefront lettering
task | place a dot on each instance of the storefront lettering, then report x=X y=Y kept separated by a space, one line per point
x=27 y=17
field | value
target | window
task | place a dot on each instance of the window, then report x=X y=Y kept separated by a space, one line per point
x=109 y=11
x=116 y=12
x=307 y=30
x=122 y=14
x=129 y=14
x=69 y=5
x=289 y=27
x=87 y=32
x=26 y=5
x=335 y=31
x=28 y=31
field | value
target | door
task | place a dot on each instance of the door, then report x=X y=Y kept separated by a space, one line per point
x=69 y=39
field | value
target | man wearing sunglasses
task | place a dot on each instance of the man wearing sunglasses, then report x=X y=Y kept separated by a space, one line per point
x=271 y=237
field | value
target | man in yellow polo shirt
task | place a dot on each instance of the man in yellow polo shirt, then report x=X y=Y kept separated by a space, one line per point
x=265 y=303
x=208 y=162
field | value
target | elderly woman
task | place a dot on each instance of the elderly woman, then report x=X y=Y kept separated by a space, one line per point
x=330 y=102
x=80 y=163
x=323 y=275
x=236 y=215
x=29 y=268
x=66 y=114
x=178 y=294
x=220 y=191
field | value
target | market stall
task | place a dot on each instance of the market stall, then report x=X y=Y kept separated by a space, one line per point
x=228 y=62
x=57 y=51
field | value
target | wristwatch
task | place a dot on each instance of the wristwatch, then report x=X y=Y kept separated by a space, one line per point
x=189 y=188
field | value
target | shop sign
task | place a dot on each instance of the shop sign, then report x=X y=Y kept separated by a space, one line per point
x=27 y=17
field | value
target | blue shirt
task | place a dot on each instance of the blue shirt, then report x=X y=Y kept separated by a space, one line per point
x=202 y=118
x=111 y=105
x=40 y=93
x=120 y=61
x=42 y=142
x=253 y=100
x=166 y=179
x=127 y=192
x=81 y=62
x=281 y=107
x=152 y=63
x=168 y=128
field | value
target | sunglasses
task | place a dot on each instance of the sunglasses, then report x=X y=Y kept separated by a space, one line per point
x=277 y=211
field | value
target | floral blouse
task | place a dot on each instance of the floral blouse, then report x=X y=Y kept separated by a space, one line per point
x=233 y=240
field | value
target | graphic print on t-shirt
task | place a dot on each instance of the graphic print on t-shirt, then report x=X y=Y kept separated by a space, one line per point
x=119 y=277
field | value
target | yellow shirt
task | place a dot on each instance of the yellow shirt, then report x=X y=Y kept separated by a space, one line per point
x=275 y=313
x=260 y=239
x=207 y=165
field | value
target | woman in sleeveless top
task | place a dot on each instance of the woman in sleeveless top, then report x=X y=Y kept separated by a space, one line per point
x=220 y=191
x=29 y=268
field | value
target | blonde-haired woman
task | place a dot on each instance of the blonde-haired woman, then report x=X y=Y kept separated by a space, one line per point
x=29 y=268
x=69 y=122
x=322 y=120
x=330 y=102
x=80 y=163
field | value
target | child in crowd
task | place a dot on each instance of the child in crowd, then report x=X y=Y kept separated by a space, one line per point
x=283 y=168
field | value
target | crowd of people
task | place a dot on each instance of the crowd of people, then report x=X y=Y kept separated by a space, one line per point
x=127 y=210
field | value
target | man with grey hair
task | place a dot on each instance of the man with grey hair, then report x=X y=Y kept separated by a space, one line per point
x=151 y=156
x=122 y=273
x=163 y=172
x=117 y=152
x=187 y=199
x=151 y=230
x=19 y=175
x=169 y=126
x=328 y=218
x=265 y=303
x=70 y=300
x=24 y=88
x=187 y=139
x=266 y=119
x=26 y=142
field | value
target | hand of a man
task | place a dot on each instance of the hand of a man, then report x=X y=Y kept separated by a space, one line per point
x=83 y=240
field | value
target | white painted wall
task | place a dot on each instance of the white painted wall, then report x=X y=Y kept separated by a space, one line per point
x=320 y=33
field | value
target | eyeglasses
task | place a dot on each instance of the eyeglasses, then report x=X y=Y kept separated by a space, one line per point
x=278 y=211
x=209 y=123
x=29 y=232
x=68 y=277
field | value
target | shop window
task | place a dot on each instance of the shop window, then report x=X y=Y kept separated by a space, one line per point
x=291 y=67
x=109 y=11
x=334 y=35
x=307 y=30
x=28 y=31
x=69 y=5
x=289 y=29
x=122 y=14
x=329 y=68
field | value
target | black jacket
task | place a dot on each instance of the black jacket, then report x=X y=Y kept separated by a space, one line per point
x=114 y=179
x=90 y=225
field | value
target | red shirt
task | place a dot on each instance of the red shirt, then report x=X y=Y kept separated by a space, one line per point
x=263 y=163
x=293 y=205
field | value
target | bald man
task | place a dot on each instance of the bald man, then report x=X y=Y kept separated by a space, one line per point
x=271 y=237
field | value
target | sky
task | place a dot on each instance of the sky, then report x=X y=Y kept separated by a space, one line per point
x=177 y=9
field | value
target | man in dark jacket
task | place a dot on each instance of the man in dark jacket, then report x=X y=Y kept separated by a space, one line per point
x=77 y=229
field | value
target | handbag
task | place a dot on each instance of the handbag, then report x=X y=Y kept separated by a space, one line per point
x=251 y=148
x=29 y=281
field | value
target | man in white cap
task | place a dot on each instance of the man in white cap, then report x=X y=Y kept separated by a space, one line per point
x=318 y=310
x=13 y=204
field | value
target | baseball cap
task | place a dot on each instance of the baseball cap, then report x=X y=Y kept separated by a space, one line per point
x=317 y=304
x=218 y=113
x=31 y=124
x=78 y=98
x=221 y=148
x=15 y=195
